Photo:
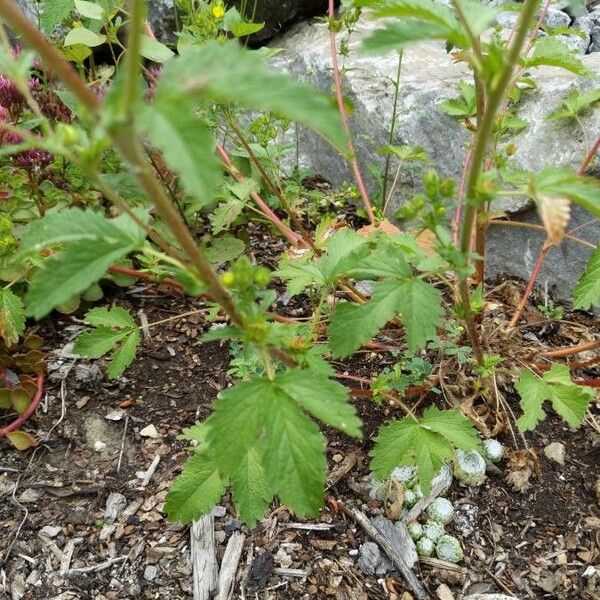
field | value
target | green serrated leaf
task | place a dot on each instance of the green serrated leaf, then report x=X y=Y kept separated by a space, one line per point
x=124 y=355
x=325 y=399
x=92 y=244
x=352 y=325
x=195 y=491
x=185 y=142
x=294 y=456
x=587 y=290
x=12 y=317
x=116 y=316
x=237 y=422
x=250 y=489
x=98 y=342
x=568 y=399
x=54 y=12
x=552 y=52
x=225 y=214
x=226 y=73
x=555 y=182
x=422 y=442
x=421 y=307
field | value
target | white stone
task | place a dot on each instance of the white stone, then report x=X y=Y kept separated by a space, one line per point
x=150 y=432
x=556 y=452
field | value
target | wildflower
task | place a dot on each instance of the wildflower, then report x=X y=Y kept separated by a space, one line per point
x=218 y=11
x=152 y=78
x=10 y=97
x=31 y=158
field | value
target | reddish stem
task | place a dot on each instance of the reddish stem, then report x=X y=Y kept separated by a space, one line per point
x=585 y=163
x=28 y=411
x=589 y=157
x=570 y=350
x=534 y=275
x=145 y=276
x=339 y=95
x=292 y=237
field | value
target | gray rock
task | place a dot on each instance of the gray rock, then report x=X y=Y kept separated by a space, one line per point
x=465 y=519
x=557 y=18
x=371 y=561
x=429 y=76
x=150 y=572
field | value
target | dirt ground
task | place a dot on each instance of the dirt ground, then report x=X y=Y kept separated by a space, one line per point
x=60 y=540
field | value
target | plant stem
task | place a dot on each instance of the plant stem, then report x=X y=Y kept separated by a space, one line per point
x=388 y=158
x=29 y=410
x=274 y=189
x=131 y=87
x=540 y=228
x=496 y=92
x=339 y=94
x=570 y=350
x=589 y=157
x=293 y=238
x=532 y=279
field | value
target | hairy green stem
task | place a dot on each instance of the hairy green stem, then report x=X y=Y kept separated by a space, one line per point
x=131 y=88
x=388 y=158
x=497 y=89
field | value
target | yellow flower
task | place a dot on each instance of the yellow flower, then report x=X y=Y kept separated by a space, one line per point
x=218 y=11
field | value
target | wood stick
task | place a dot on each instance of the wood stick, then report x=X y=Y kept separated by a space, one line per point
x=383 y=542
x=204 y=557
x=229 y=565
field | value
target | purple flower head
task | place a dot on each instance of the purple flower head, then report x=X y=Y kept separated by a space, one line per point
x=152 y=78
x=28 y=159
x=10 y=97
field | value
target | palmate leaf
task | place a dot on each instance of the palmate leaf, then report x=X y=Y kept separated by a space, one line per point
x=352 y=325
x=196 y=490
x=418 y=302
x=225 y=73
x=261 y=437
x=115 y=331
x=427 y=442
x=587 y=290
x=568 y=399
x=574 y=103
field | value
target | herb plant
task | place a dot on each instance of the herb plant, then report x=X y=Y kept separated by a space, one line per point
x=148 y=145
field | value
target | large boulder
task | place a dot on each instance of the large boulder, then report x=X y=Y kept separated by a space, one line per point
x=428 y=77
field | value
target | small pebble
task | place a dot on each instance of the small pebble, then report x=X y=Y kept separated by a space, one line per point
x=99 y=446
x=150 y=572
x=150 y=432
x=556 y=452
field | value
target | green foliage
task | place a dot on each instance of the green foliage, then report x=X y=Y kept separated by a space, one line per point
x=54 y=12
x=463 y=106
x=417 y=301
x=568 y=399
x=553 y=182
x=86 y=244
x=574 y=104
x=420 y=20
x=261 y=438
x=587 y=290
x=226 y=73
x=552 y=52
x=12 y=317
x=427 y=442
x=114 y=331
